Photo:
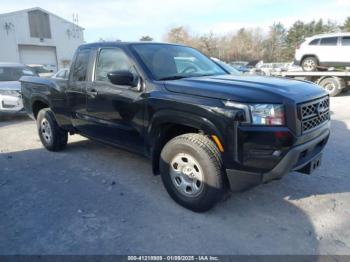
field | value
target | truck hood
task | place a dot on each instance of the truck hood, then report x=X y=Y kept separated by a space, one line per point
x=249 y=89
x=10 y=85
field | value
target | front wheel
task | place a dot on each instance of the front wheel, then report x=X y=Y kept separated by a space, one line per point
x=309 y=64
x=191 y=171
x=51 y=135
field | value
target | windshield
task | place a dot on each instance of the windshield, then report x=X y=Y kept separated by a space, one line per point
x=167 y=62
x=14 y=73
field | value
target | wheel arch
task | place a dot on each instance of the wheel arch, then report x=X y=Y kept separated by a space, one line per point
x=309 y=55
x=169 y=124
x=38 y=103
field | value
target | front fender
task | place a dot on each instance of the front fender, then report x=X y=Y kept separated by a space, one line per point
x=39 y=97
x=182 y=118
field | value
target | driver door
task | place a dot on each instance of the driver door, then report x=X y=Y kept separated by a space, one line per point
x=114 y=111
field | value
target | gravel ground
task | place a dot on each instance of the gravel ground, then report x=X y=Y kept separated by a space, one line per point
x=94 y=199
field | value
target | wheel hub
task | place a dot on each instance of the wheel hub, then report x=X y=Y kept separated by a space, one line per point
x=188 y=171
x=186 y=175
x=45 y=130
x=329 y=87
x=309 y=64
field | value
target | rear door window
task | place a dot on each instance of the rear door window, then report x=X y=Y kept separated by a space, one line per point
x=329 y=41
x=81 y=65
x=345 y=40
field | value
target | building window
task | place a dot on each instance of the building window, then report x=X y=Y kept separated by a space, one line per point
x=39 y=24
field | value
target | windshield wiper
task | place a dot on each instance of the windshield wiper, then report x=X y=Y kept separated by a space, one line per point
x=174 y=77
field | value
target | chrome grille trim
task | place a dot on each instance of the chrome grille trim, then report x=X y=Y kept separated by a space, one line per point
x=314 y=113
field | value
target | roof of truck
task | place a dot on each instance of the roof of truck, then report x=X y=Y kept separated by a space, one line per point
x=120 y=43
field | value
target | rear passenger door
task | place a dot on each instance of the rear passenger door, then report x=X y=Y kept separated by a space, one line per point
x=329 y=50
x=78 y=81
x=345 y=50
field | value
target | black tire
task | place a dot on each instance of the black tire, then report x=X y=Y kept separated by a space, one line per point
x=333 y=85
x=309 y=64
x=58 y=138
x=202 y=150
x=346 y=89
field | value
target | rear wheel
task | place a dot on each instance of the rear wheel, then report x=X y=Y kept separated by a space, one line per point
x=191 y=171
x=333 y=85
x=309 y=64
x=51 y=135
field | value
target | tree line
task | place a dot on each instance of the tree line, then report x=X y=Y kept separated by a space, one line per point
x=276 y=45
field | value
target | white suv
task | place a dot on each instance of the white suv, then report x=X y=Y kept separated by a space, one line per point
x=326 y=50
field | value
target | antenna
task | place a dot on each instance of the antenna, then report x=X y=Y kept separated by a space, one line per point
x=75 y=25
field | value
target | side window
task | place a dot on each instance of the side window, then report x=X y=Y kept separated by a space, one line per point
x=314 y=42
x=345 y=40
x=81 y=65
x=111 y=60
x=330 y=41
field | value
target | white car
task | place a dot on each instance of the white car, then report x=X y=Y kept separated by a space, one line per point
x=326 y=50
x=43 y=70
x=10 y=87
x=61 y=74
x=229 y=68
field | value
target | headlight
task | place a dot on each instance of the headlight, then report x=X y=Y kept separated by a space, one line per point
x=267 y=114
x=261 y=114
x=9 y=93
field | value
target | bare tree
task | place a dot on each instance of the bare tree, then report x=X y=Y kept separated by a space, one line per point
x=178 y=35
x=278 y=45
x=275 y=44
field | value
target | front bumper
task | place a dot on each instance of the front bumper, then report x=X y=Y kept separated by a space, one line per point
x=296 y=158
x=10 y=104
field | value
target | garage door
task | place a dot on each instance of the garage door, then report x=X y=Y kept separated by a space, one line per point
x=43 y=55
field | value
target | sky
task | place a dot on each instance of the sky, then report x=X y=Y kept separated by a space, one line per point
x=128 y=20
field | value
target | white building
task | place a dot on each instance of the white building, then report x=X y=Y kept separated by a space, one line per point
x=36 y=36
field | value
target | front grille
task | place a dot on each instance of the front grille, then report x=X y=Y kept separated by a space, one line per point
x=314 y=113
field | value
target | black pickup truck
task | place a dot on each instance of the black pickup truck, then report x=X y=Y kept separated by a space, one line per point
x=205 y=131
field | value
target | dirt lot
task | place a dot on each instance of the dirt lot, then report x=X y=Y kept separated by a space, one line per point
x=94 y=199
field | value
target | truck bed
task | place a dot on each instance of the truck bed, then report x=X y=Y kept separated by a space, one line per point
x=43 y=89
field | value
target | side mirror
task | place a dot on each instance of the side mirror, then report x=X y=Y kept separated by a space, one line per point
x=123 y=78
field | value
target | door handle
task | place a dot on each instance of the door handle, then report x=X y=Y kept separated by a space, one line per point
x=92 y=92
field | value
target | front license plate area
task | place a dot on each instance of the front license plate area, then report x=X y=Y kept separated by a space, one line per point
x=310 y=167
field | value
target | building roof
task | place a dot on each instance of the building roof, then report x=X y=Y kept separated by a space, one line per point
x=43 y=10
